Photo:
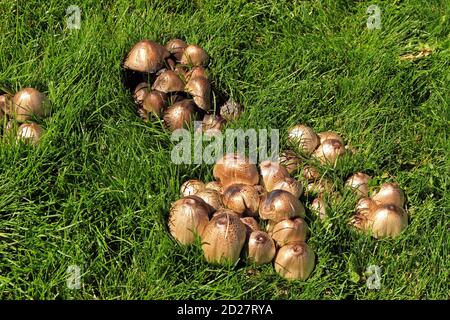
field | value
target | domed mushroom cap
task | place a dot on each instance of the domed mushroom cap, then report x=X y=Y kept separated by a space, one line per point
x=223 y=237
x=191 y=187
x=289 y=184
x=387 y=220
x=215 y=185
x=140 y=92
x=30 y=132
x=290 y=160
x=168 y=81
x=6 y=104
x=389 y=193
x=280 y=205
x=30 y=102
x=146 y=56
x=319 y=206
x=212 y=198
x=188 y=217
x=295 y=261
x=196 y=72
x=242 y=199
x=180 y=114
x=231 y=110
x=194 y=55
x=154 y=102
x=200 y=89
x=234 y=168
x=359 y=182
x=261 y=248
x=327 y=135
x=176 y=48
x=329 y=151
x=365 y=204
x=250 y=224
x=311 y=173
x=211 y=124
x=271 y=173
x=305 y=137
x=289 y=230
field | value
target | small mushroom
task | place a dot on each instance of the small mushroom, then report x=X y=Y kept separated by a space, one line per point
x=327 y=135
x=329 y=151
x=289 y=230
x=195 y=56
x=200 y=89
x=154 y=102
x=30 y=102
x=387 y=220
x=359 y=182
x=261 y=248
x=271 y=173
x=30 y=132
x=280 y=205
x=234 y=168
x=176 y=48
x=146 y=56
x=180 y=114
x=231 y=110
x=289 y=184
x=212 y=198
x=304 y=137
x=290 y=160
x=242 y=199
x=295 y=261
x=250 y=224
x=389 y=193
x=6 y=104
x=191 y=187
x=215 y=185
x=140 y=92
x=168 y=81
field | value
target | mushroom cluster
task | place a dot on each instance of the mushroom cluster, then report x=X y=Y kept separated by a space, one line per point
x=171 y=82
x=18 y=114
x=246 y=212
x=381 y=215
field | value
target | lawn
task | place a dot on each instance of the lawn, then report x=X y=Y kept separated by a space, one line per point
x=97 y=190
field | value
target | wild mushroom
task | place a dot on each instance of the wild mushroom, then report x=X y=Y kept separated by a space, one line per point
x=289 y=184
x=6 y=104
x=295 y=261
x=29 y=132
x=319 y=207
x=387 y=220
x=211 y=124
x=242 y=199
x=250 y=224
x=215 y=185
x=234 y=168
x=212 y=198
x=146 y=56
x=231 y=110
x=327 y=135
x=359 y=182
x=271 y=173
x=191 y=187
x=168 y=81
x=261 y=248
x=389 y=193
x=140 y=92
x=180 y=114
x=304 y=137
x=195 y=56
x=154 y=102
x=196 y=72
x=289 y=230
x=200 y=89
x=176 y=48
x=329 y=151
x=30 y=102
x=280 y=205
x=290 y=160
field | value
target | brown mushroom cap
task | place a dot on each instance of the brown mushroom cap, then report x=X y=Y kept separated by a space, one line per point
x=176 y=48
x=329 y=151
x=200 y=89
x=168 y=81
x=223 y=237
x=305 y=137
x=195 y=56
x=191 y=187
x=231 y=110
x=212 y=198
x=215 y=185
x=319 y=206
x=320 y=186
x=289 y=230
x=290 y=160
x=140 y=92
x=359 y=182
x=146 y=56
x=211 y=124
x=280 y=205
x=250 y=224
x=261 y=248
x=389 y=193
x=196 y=72
x=295 y=261
x=387 y=220
x=311 y=173
x=180 y=114
x=6 y=104
x=30 y=132
x=289 y=184
x=271 y=173
x=234 y=168
x=242 y=199
x=154 y=102
x=327 y=135
x=30 y=102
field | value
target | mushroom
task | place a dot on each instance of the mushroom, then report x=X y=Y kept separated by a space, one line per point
x=389 y=193
x=387 y=220
x=140 y=92
x=200 y=89
x=320 y=186
x=180 y=114
x=280 y=205
x=211 y=124
x=261 y=248
x=6 y=105
x=271 y=173
x=242 y=199
x=311 y=173
x=196 y=72
x=359 y=182
x=223 y=238
x=146 y=56
x=250 y=224
x=365 y=204
x=194 y=55
x=231 y=110
x=329 y=151
x=289 y=184
x=168 y=81
x=295 y=261
x=30 y=132
x=289 y=230
x=290 y=160
x=215 y=185
x=154 y=102
x=212 y=198
x=188 y=217
x=191 y=187
x=176 y=48
x=319 y=206
x=304 y=137
x=29 y=102
x=234 y=168
x=327 y=135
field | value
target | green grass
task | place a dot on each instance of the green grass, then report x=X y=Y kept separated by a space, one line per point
x=97 y=190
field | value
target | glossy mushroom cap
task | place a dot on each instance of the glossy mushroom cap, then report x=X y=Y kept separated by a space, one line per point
x=191 y=187
x=295 y=261
x=242 y=199
x=250 y=224
x=359 y=182
x=176 y=48
x=289 y=184
x=271 y=173
x=30 y=102
x=389 y=193
x=223 y=238
x=311 y=173
x=329 y=151
x=289 y=230
x=215 y=185
x=140 y=92
x=280 y=205
x=387 y=220
x=195 y=56
x=30 y=132
x=146 y=56
x=304 y=137
x=212 y=198
x=168 y=81
x=200 y=89
x=196 y=72
x=180 y=114
x=327 y=135
x=154 y=102
x=6 y=104
x=261 y=248
x=211 y=124
x=319 y=206
x=234 y=168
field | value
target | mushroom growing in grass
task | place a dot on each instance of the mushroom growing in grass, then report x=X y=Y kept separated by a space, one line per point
x=231 y=110
x=386 y=220
x=389 y=193
x=295 y=261
x=140 y=92
x=211 y=124
x=328 y=135
x=280 y=205
x=154 y=102
x=146 y=56
x=329 y=151
x=29 y=132
x=242 y=199
x=30 y=102
x=289 y=184
x=223 y=238
x=271 y=173
x=188 y=217
x=194 y=55
x=319 y=207
x=290 y=160
x=191 y=187
x=200 y=89
x=234 y=168
x=180 y=114
x=310 y=173
x=6 y=105
x=289 y=230
x=261 y=248
x=168 y=81
x=359 y=182
x=212 y=198
x=176 y=48
x=304 y=137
